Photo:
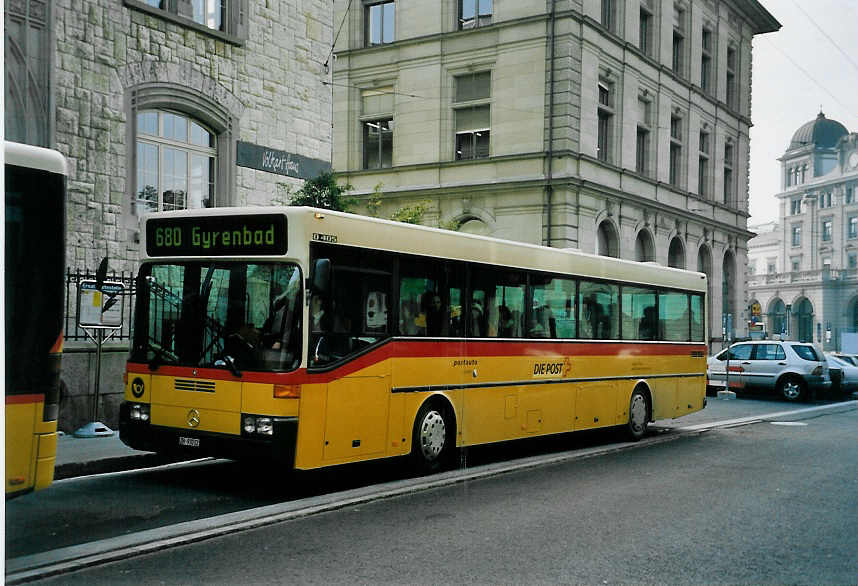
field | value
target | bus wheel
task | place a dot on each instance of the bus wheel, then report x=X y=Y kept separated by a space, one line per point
x=638 y=416
x=433 y=438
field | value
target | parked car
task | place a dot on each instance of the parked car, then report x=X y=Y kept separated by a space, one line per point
x=848 y=372
x=850 y=358
x=790 y=368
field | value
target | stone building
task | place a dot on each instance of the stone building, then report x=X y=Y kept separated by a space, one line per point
x=803 y=270
x=614 y=126
x=165 y=104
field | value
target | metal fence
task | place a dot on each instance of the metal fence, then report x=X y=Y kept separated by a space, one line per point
x=73 y=278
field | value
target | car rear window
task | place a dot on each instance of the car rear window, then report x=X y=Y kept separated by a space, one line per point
x=806 y=352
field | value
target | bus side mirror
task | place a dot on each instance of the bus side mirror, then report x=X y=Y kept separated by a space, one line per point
x=321 y=278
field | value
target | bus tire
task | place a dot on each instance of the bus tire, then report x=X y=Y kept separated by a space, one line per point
x=433 y=439
x=638 y=415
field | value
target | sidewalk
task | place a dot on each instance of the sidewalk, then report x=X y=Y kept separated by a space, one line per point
x=86 y=456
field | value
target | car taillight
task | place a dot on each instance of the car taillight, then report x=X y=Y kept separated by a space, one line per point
x=817 y=371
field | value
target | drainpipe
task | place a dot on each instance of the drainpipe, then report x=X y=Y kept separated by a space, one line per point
x=549 y=189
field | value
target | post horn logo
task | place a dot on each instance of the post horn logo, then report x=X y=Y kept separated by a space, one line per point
x=193 y=418
x=137 y=387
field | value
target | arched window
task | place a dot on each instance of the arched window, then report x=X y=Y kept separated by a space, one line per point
x=607 y=241
x=777 y=317
x=644 y=247
x=184 y=153
x=676 y=253
x=176 y=157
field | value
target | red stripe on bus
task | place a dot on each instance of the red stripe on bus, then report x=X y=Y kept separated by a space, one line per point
x=431 y=349
x=24 y=399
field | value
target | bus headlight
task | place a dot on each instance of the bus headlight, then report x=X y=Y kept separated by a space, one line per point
x=264 y=426
x=249 y=424
x=139 y=412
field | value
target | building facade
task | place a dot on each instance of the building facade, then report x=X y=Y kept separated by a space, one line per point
x=803 y=270
x=160 y=105
x=618 y=127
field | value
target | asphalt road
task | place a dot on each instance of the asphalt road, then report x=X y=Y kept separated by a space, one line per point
x=762 y=503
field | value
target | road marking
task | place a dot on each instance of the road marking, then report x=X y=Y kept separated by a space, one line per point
x=78 y=557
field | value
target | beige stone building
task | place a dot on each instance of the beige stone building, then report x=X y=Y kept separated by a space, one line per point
x=161 y=105
x=803 y=269
x=614 y=126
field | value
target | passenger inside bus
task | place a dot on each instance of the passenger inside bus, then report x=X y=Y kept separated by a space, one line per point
x=647 y=327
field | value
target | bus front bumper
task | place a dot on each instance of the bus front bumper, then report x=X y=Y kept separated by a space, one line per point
x=142 y=435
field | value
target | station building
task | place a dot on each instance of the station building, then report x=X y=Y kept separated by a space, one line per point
x=803 y=269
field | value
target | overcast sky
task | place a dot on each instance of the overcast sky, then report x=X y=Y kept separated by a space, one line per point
x=796 y=71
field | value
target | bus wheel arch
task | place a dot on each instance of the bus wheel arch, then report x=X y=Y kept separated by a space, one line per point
x=640 y=412
x=433 y=438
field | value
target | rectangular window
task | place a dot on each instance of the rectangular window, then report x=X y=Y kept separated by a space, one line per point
x=473 y=115
x=675 y=150
x=706 y=62
x=678 y=41
x=796 y=265
x=796 y=235
x=826 y=230
x=645 y=32
x=474 y=13
x=640 y=320
x=853 y=227
x=852 y=261
x=609 y=15
x=697 y=330
x=212 y=14
x=673 y=316
x=497 y=304
x=377 y=144
x=598 y=303
x=379 y=23
x=552 y=308
x=729 y=187
x=430 y=298
x=771 y=268
x=795 y=206
x=849 y=195
x=732 y=65
x=605 y=122
x=703 y=165
x=642 y=151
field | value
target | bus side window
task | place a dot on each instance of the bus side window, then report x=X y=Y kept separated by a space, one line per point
x=598 y=303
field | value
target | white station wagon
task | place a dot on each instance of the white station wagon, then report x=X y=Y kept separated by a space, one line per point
x=790 y=368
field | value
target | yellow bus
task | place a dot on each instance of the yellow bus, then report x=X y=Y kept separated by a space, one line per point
x=35 y=187
x=319 y=338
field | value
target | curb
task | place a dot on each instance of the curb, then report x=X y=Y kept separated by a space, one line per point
x=114 y=464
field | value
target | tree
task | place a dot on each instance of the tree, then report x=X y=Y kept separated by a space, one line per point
x=412 y=214
x=324 y=192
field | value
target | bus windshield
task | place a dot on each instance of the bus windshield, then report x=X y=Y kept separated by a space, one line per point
x=232 y=315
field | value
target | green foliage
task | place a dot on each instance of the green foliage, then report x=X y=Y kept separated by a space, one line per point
x=324 y=192
x=411 y=214
x=373 y=201
x=452 y=225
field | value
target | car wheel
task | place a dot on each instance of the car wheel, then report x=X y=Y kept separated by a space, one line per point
x=638 y=416
x=433 y=439
x=792 y=389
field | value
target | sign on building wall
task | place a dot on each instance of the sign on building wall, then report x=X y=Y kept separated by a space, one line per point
x=263 y=158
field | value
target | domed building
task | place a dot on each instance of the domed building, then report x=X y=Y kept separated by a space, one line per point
x=803 y=275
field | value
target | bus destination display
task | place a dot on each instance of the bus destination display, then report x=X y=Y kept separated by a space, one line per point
x=251 y=234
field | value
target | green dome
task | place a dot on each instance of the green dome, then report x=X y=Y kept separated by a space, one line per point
x=821 y=132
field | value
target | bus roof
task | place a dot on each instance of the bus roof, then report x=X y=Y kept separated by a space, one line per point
x=33 y=157
x=379 y=234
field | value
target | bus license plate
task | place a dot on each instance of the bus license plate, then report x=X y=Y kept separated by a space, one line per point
x=191 y=442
